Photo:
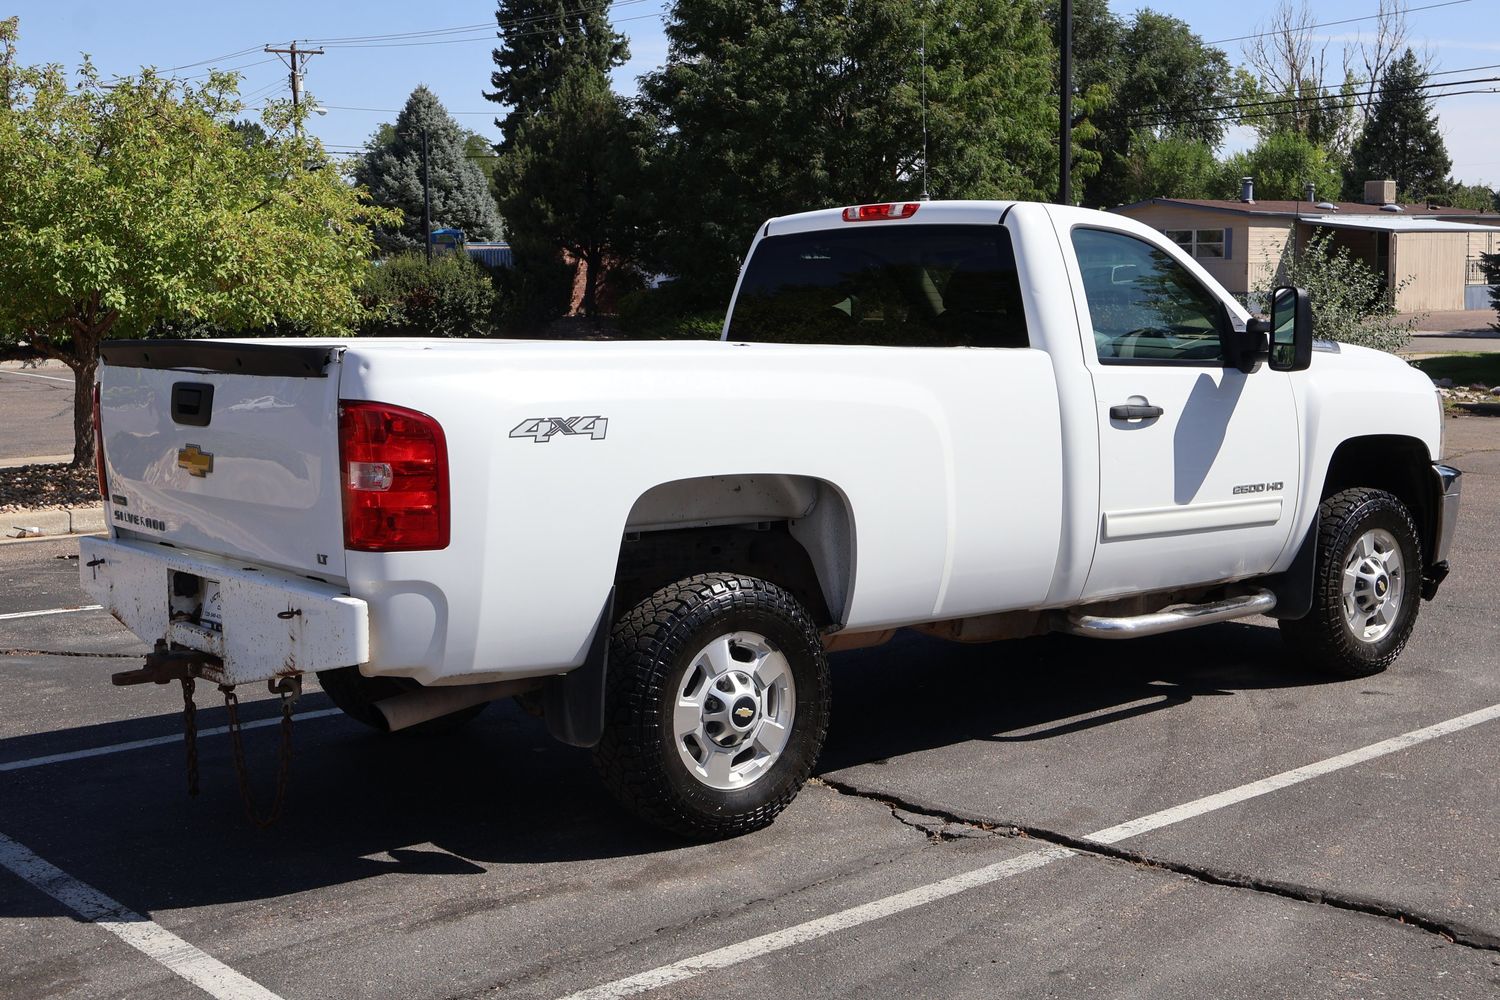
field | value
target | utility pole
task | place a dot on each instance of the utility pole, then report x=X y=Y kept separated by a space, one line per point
x=295 y=54
x=426 y=198
x=426 y=192
x=1065 y=124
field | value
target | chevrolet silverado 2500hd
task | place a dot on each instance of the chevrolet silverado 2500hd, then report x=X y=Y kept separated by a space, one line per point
x=981 y=420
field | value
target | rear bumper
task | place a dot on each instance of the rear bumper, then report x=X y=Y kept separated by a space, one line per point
x=272 y=624
x=1449 y=482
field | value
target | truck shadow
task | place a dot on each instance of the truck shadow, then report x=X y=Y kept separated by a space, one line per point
x=502 y=793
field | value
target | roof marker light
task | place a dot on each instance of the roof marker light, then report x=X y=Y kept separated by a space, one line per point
x=878 y=213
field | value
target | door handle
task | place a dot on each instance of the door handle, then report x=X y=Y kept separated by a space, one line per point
x=1133 y=411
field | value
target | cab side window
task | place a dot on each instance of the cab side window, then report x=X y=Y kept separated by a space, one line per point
x=1145 y=307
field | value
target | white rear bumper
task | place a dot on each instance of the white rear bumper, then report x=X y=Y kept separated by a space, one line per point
x=271 y=623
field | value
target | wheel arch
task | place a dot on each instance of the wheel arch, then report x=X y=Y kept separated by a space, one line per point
x=1397 y=464
x=793 y=530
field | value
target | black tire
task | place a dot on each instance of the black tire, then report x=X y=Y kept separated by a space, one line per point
x=355 y=695
x=1324 y=640
x=651 y=648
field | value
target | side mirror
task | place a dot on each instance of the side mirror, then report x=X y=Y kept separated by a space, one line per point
x=1291 y=330
x=1242 y=349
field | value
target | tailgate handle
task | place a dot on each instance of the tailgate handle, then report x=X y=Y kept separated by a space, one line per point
x=192 y=403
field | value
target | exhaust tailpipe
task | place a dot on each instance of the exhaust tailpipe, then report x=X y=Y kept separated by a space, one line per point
x=416 y=707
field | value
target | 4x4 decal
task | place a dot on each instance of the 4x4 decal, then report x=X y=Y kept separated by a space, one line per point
x=541 y=429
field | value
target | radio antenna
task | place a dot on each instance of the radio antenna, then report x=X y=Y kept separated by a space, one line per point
x=924 y=196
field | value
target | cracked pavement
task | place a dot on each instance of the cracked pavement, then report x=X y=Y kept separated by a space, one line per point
x=491 y=863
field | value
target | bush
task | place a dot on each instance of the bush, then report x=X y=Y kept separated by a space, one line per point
x=1350 y=301
x=533 y=292
x=454 y=297
x=668 y=313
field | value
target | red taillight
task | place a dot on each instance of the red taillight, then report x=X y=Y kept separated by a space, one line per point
x=875 y=213
x=394 y=467
x=99 y=447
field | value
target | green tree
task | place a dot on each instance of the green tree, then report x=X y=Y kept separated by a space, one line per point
x=539 y=41
x=391 y=169
x=126 y=204
x=765 y=107
x=1474 y=197
x=1401 y=141
x=1490 y=262
x=566 y=178
x=1283 y=164
x=1351 y=302
x=1156 y=76
x=1169 y=168
x=407 y=297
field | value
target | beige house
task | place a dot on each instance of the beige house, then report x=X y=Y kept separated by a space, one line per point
x=1434 y=249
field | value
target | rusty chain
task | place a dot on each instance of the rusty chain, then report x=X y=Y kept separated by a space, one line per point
x=287 y=688
x=190 y=734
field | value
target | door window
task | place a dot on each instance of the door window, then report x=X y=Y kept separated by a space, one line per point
x=1145 y=307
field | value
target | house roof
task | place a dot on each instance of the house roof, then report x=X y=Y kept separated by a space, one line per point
x=1289 y=209
x=1393 y=223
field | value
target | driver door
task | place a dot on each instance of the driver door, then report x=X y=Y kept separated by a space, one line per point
x=1198 y=462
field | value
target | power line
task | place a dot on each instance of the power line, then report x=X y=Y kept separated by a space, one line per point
x=1292 y=100
x=1347 y=20
x=488 y=37
x=489 y=26
x=1339 y=103
x=397 y=111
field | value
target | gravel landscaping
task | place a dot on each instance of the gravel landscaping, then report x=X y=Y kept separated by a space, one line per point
x=48 y=487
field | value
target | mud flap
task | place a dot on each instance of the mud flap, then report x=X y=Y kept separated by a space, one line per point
x=574 y=701
x=1294 y=587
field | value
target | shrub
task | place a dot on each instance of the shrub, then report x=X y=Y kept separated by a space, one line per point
x=454 y=297
x=1350 y=301
x=667 y=313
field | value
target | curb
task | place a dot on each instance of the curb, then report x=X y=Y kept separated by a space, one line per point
x=34 y=525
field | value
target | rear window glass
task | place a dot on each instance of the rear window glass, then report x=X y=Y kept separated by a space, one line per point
x=894 y=286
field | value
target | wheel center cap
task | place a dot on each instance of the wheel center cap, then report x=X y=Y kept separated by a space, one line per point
x=1381 y=586
x=742 y=715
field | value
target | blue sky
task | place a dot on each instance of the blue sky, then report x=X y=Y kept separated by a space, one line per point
x=379 y=74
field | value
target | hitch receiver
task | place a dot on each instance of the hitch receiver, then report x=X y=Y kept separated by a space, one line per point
x=164 y=665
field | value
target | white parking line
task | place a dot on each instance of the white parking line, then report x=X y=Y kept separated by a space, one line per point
x=755 y=947
x=146 y=936
x=11 y=616
x=49 y=378
x=155 y=741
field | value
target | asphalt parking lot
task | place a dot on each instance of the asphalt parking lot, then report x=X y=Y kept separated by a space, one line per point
x=1184 y=816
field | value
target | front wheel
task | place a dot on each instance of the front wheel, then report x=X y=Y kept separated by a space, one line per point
x=1367 y=586
x=716 y=705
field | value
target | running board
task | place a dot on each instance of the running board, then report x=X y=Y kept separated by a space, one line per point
x=1258 y=603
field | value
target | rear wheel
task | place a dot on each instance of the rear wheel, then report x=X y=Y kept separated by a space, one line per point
x=355 y=695
x=1366 y=588
x=716 y=706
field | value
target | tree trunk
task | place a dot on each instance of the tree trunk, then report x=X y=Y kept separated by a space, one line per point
x=83 y=409
x=590 y=281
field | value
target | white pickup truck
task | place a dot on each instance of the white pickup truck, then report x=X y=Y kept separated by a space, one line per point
x=981 y=420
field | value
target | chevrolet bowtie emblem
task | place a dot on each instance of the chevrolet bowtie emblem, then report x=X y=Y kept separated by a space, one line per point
x=195 y=460
x=744 y=713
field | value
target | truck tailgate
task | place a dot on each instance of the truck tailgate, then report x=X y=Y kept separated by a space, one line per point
x=226 y=448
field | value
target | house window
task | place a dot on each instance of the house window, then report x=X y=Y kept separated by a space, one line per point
x=1201 y=244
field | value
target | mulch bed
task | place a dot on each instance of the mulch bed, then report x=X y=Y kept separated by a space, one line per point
x=29 y=487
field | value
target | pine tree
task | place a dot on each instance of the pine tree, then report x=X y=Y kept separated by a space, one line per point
x=392 y=171
x=774 y=106
x=539 y=39
x=567 y=173
x=1401 y=141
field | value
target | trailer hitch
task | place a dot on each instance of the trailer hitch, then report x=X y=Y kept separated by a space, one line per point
x=164 y=665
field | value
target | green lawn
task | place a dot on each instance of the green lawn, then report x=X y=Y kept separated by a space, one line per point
x=1463 y=369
